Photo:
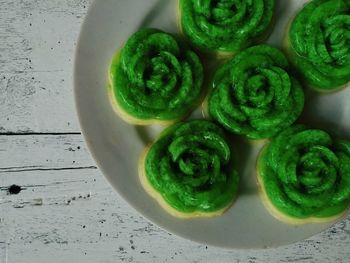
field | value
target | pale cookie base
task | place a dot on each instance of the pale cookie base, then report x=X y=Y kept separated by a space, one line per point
x=283 y=217
x=290 y=52
x=158 y=197
x=205 y=111
x=124 y=115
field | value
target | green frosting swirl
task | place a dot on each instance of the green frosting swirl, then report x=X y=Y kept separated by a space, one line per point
x=225 y=25
x=306 y=173
x=190 y=165
x=155 y=77
x=319 y=40
x=254 y=95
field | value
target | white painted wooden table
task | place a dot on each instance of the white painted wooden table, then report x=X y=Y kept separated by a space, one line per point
x=66 y=211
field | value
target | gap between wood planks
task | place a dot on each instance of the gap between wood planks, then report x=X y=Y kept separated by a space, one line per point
x=52 y=162
x=24 y=169
x=37 y=133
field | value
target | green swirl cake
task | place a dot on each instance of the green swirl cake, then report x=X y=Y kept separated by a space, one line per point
x=319 y=43
x=154 y=79
x=254 y=94
x=189 y=170
x=225 y=26
x=304 y=176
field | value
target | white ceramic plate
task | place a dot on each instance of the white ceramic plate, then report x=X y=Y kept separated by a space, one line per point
x=116 y=146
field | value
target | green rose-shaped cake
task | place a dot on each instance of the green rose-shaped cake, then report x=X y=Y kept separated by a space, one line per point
x=254 y=94
x=304 y=176
x=154 y=79
x=225 y=25
x=319 y=43
x=189 y=170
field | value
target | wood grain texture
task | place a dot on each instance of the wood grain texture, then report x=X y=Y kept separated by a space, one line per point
x=23 y=153
x=38 y=40
x=73 y=214
x=66 y=211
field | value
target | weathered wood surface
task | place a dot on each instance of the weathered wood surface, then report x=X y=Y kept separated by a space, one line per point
x=37 y=43
x=66 y=211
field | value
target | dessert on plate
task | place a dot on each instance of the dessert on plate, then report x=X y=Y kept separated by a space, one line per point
x=254 y=94
x=304 y=176
x=225 y=27
x=318 y=44
x=190 y=170
x=154 y=78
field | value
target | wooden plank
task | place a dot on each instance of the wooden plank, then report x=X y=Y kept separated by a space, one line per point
x=74 y=214
x=43 y=152
x=38 y=40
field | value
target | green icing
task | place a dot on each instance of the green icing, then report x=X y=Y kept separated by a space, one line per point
x=155 y=77
x=254 y=95
x=319 y=40
x=225 y=25
x=306 y=173
x=191 y=166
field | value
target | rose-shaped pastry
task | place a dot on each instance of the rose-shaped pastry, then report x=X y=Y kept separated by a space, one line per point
x=154 y=79
x=254 y=94
x=304 y=176
x=319 y=43
x=225 y=26
x=189 y=170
